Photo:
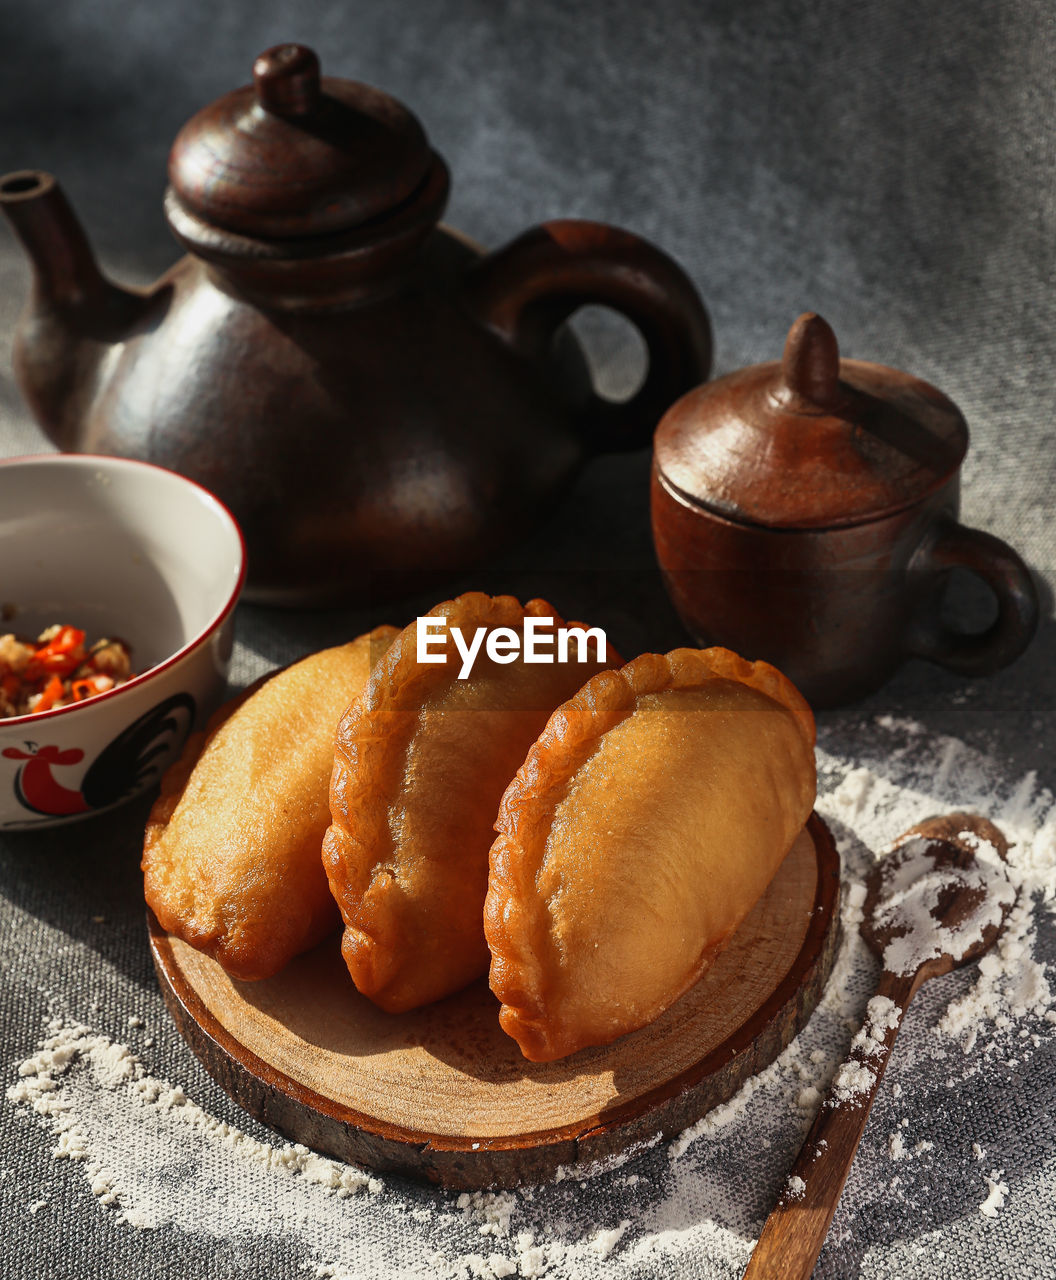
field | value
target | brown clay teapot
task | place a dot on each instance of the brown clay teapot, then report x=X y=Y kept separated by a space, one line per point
x=371 y=397
x=805 y=512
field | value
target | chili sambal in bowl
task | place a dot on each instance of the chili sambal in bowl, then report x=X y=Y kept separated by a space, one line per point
x=117 y=598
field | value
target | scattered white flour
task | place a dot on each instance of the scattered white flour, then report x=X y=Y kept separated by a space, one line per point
x=605 y=1241
x=854 y=1079
x=998 y=1190
x=853 y=1082
x=881 y=1016
x=911 y=890
x=48 y=1085
x=152 y=1156
x=155 y=1157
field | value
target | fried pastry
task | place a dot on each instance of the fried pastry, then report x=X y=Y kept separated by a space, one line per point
x=640 y=831
x=231 y=859
x=422 y=760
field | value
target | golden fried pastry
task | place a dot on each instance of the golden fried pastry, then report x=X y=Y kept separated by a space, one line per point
x=422 y=759
x=231 y=859
x=640 y=831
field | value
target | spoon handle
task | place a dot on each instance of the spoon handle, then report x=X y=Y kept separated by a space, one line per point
x=796 y=1228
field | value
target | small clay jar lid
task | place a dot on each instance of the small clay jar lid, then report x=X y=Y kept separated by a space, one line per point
x=295 y=155
x=810 y=441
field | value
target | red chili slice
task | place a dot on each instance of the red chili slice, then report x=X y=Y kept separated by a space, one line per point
x=62 y=655
x=53 y=691
x=90 y=686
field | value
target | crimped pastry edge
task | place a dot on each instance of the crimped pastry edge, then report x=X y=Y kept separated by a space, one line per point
x=517 y=935
x=370 y=748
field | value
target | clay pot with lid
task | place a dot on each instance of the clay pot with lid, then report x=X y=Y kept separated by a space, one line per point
x=805 y=512
x=369 y=395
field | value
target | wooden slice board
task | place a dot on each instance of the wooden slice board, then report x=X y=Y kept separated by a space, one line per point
x=443 y=1094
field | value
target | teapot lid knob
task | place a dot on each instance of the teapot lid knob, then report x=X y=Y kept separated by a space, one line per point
x=810 y=366
x=297 y=154
x=286 y=80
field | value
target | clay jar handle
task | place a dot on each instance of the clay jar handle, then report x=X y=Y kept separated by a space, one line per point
x=950 y=545
x=527 y=289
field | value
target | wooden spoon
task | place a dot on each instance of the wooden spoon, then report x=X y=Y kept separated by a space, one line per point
x=930 y=906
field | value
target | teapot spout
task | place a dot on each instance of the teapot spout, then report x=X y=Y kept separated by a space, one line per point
x=74 y=313
x=67 y=276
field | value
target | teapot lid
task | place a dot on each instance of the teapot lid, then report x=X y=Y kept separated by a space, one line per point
x=810 y=441
x=295 y=155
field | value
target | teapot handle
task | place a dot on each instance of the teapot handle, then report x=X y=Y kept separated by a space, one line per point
x=951 y=545
x=527 y=289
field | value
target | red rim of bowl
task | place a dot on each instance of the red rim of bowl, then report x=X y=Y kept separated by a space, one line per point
x=95 y=459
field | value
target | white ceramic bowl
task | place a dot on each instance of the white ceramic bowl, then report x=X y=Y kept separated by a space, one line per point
x=125 y=549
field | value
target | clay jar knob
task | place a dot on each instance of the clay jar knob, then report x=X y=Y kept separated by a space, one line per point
x=810 y=367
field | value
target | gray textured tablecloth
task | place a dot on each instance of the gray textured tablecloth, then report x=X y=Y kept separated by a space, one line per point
x=890 y=166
